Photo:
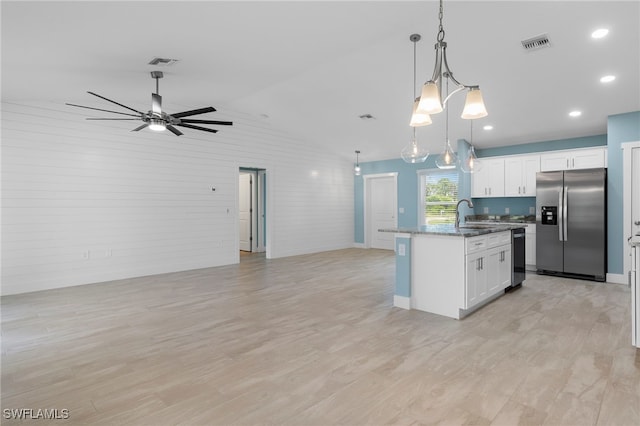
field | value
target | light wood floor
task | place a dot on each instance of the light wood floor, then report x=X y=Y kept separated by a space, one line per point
x=314 y=340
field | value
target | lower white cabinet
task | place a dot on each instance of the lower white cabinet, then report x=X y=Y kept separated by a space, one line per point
x=488 y=268
x=530 y=247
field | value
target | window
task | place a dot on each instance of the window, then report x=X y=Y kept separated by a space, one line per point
x=438 y=196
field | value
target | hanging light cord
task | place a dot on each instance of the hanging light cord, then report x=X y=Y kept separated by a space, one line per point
x=415 y=43
x=446 y=118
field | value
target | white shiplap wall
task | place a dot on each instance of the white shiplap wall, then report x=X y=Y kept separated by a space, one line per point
x=141 y=203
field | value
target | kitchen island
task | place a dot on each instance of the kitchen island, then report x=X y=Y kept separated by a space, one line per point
x=451 y=271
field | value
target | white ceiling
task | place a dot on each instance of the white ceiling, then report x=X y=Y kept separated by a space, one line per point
x=313 y=67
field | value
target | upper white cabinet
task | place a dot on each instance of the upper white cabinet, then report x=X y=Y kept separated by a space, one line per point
x=489 y=180
x=520 y=175
x=588 y=158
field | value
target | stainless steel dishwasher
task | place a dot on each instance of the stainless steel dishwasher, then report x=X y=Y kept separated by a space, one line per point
x=518 y=273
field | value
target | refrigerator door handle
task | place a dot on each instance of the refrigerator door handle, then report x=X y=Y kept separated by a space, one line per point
x=565 y=214
x=560 y=216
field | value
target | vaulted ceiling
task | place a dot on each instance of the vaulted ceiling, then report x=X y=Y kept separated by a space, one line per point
x=311 y=68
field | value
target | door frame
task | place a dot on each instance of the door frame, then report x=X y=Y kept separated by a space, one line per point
x=252 y=208
x=265 y=204
x=627 y=165
x=367 y=199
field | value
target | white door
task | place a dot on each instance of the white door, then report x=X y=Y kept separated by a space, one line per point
x=381 y=208
x=244 y=211
x=635 y=191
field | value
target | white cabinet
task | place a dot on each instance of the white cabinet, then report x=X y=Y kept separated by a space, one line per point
x=489 y=180
x=476 y=279
x=530 y=247
x=520 y=175
x=487 y=267
x=588 y=158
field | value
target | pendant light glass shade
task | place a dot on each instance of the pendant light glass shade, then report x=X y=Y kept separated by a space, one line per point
x=356 y=169
x=419 y=119
x=471 y=164
x=448 y=159
x=474 y=105
x=430 y=102
x=413 y=153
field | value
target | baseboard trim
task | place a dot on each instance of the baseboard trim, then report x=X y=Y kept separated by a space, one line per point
x=401 y=302
x=617 y=279
x=358 y=245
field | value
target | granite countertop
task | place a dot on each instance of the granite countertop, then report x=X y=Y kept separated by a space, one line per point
x=508 y=218
x=451 y=230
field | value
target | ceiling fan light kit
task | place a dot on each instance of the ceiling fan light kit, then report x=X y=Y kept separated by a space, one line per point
x=156 y=119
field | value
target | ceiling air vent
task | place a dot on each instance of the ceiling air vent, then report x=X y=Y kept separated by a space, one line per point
x=535 y=43
x=162 y=62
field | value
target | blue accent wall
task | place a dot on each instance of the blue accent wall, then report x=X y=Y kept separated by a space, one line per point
x=620 y=128
x=554 y=145
x=407 y=188
x=496 y=206
x=403 y=268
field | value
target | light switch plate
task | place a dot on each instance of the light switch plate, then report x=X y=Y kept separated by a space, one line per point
x=486 y=210
x=532 y=210
x=506 y=210
x=401 y=210
x=401 y=250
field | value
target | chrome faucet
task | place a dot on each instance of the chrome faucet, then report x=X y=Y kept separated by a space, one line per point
x=469 y=203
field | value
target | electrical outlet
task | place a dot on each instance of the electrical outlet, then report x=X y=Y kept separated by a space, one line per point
x=108 y=253
x=401 y=250
x=86 y=254
x=401 y=210
x=485 y=210
x=506 y=210
x=532 y=210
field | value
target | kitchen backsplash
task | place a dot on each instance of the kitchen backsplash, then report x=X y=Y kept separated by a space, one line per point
x=504 y=206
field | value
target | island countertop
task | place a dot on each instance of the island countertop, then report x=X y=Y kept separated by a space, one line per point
x=451 y=230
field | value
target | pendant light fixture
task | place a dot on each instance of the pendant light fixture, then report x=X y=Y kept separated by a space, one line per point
x=471 y=164
x=417 y=119
x=413 y=153
x=448 y=159
x=431 y=97
x=357 y=170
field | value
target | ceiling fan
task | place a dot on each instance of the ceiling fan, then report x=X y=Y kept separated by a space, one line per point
x=158 y=120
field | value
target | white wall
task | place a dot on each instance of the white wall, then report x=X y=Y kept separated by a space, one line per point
x=141 y=203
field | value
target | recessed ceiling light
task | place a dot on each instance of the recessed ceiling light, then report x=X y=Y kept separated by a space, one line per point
x=599 y=33
x=607 y=79
x=488 y=127
x=575 y=113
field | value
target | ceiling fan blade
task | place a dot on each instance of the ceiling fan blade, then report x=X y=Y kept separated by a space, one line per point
x=119 y=119
x=174 y=130
x=103 y=110
x=156 y=103
x=114 y=102
x=141 y=127
x=193 y=112
x=190 y=126
x=221 y=123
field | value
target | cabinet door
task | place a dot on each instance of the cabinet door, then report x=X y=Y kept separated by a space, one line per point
x=496 y=177
x=530 y=166
x=504 y=276
x=513 y=177
x=476 y=279
x=530 y=249
x=554 y=161
x=588 y=159
x=479 y=183
x=494 y=263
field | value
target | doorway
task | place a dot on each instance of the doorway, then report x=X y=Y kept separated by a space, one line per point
x=251 y=210
x=380 y=206
x=631 y=196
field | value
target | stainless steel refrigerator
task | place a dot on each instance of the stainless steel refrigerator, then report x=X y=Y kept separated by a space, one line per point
x=571 y=223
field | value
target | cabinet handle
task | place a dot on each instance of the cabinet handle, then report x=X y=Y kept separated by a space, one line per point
x=567 y=163
x=489 y=190
x=518 y=190
x=573 y=163
x=524 y=189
